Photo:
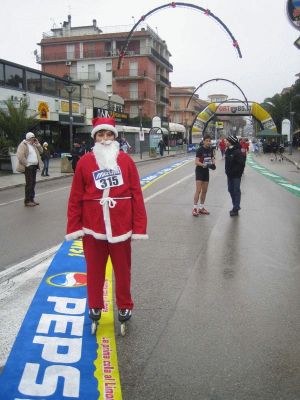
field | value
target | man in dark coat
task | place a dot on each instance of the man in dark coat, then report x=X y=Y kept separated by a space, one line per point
x=234 y=168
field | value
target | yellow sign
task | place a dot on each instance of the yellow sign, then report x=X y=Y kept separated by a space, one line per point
x=43 y=110
x=64 y=107
x=220 y=125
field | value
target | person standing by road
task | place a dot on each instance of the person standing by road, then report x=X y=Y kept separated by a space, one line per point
x=205 y=160
x=29 y=161
x=45 y=159
x=76 y=154
x=106 y=208
x=161 y=147
x=222 y=147
x=234 y=168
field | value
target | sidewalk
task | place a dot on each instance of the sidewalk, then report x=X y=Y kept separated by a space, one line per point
x=10 y=180
x=294 y=158
x=289 y=168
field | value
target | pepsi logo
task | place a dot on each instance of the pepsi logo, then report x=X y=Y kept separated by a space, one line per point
x=67 y=279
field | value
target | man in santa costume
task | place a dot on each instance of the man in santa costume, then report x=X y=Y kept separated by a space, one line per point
x=106 y=208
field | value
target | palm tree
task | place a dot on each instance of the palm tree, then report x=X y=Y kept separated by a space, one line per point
x=14 y=121
x=278 y=107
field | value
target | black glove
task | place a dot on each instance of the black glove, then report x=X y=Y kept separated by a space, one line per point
x=211 y=166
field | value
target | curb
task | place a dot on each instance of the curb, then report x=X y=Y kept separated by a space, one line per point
x=71 y=174
x=292 y=162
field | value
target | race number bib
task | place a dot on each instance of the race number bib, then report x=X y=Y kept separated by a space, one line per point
x=207 y=160
x=107 y=178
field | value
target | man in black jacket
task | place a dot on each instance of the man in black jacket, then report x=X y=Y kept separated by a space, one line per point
x=234 y=168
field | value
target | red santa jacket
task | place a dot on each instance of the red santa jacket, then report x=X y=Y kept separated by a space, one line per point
x=115 y=213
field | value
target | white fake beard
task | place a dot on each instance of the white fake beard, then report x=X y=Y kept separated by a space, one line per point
x=106 y=153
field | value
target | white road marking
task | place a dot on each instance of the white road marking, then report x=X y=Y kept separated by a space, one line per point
x=27 y=264
x=168 y=187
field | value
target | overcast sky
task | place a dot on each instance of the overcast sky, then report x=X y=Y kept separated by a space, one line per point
x=200 y=49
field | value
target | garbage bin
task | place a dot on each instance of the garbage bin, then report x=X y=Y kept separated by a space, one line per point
x=66 y=163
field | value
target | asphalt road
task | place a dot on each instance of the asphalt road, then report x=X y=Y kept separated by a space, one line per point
x=216 y=298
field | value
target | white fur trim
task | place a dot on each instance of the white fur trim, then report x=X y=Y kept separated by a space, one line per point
x=74 y=235
x=122 y=238
x=106 y=127
x=139 y=236
x=110 y=239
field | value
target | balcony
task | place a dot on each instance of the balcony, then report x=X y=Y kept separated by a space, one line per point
x=134 y=96
x=73 y=56
x=163 y=100
x=162 y=80
x=86 y=76
x=125 y=74
x=162 y=59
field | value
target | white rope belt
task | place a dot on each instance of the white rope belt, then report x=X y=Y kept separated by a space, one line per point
x=109 y=202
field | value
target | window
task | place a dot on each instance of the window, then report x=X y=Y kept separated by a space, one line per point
x=133 y=68
x=48 y=85
x=91 y=71
x=108 y=66
x=1 y=74
x=109 y=89
x=70 y=51
x=133 y=90
x=176 y=103
x=134 y=111
x=33 y=82
x=14 y=77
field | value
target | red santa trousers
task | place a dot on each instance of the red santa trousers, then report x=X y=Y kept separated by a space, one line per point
x=96 y=254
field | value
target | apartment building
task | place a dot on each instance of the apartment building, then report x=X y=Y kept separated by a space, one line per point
x=180 y=111
x=89 y=55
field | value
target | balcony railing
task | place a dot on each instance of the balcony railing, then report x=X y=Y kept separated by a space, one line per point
x=164 y=100
x=133 y=95
x=123 y=74
x=161 y=59
x=161 y=79
x=70 y=56
x=86 y=76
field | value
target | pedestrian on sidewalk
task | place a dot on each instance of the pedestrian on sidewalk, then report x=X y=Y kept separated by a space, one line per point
x=222 y=147
x=45 y=159
x=205 y=160
x=29 y=161
x=234 y=168
x=161 y=147
x=76 y=153
x=106 y=208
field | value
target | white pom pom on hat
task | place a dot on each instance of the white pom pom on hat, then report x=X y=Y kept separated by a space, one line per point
x=107 y=124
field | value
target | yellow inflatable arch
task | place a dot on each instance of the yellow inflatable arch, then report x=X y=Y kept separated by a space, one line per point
x=233 y=108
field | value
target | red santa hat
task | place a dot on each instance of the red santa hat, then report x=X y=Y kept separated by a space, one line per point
x=107 y=124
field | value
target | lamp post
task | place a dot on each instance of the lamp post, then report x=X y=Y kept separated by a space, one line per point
x=70 y=89
x=141 y=130
x=292 y=113
x=109 y=104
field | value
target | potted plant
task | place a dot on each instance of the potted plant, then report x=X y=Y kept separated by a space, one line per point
x=14 y=123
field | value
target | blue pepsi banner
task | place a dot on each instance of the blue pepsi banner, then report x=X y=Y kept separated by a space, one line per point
x=52 y=353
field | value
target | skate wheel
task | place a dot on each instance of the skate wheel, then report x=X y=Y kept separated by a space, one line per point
x=94 y=327
x=123 y=329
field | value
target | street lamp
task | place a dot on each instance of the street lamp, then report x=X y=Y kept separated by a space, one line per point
x=292 y=113
x=141 y=130
x=70 y=89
